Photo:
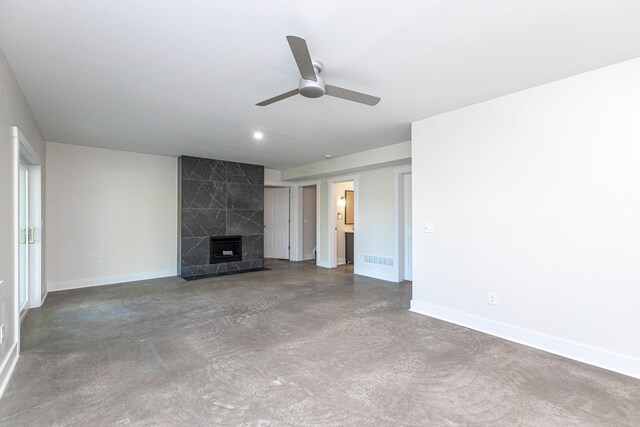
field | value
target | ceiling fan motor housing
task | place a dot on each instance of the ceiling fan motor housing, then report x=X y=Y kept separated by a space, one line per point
x=311 y=89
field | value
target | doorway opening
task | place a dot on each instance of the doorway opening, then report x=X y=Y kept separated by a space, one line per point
x=277 y=222
x=404 y=224
x=343 y=224
x=309 y=222
x=407 y=236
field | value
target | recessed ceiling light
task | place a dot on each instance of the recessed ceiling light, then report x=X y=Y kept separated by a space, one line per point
x=327 y=156
x=258 y=135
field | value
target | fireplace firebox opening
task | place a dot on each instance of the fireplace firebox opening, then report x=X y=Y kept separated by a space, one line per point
x=226 y=249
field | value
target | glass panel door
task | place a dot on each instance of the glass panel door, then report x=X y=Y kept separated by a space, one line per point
x=23 y=241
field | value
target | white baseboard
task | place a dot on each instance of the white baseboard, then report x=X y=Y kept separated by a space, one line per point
x=322 y=263
x=7 y=367
x=307 y=257
x=583 y=353
x=65 y=285
x=341 y=261
x=388 y=274
x=44 y=297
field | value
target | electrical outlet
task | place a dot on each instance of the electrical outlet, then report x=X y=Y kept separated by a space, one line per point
x=429 y=227
x=493 y=298
x=100 y=263
x=1 y=333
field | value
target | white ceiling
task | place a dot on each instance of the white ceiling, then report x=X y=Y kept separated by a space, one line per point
x=182 y=76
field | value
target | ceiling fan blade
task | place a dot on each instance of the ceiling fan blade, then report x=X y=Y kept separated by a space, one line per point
x=278 y=98
x=303 y=58
x=351 y=95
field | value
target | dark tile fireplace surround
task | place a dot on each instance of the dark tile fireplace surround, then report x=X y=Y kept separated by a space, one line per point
x=221 y=208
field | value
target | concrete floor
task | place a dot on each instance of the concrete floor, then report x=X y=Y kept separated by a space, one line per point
x=293 y=346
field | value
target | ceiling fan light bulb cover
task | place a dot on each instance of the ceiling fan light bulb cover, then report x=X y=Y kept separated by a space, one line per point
x=311 y=89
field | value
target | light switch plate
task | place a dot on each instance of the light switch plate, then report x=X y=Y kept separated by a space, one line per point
x=429 y=227
x=493 y=298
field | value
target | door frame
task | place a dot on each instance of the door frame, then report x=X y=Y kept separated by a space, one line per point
x=398 y=180
x=298 y=255
x=22 y=311
x=297 y=218
x=332 y=222
x=295 y=214
x=22 y=148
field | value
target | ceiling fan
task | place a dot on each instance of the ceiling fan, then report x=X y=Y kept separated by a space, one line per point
x=311 y=84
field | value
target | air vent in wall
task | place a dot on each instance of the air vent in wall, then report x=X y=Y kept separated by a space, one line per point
x=380 y=260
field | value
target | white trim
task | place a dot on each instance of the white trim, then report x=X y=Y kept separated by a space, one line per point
x=291 y=224
x=398 y=219
x=23 y=166
x=341 y=261
x=21 y=144
x=299 y=218
x=35 y=249
x=583 y=353
x=380 y=272
x=24 y=312
x=16 y=238
x=31 y=153
x=44 y=297
x=64 y=285
x=318 y=228
x=8 y=365
x=23 y=148
x=323 y=263
x=295 y=213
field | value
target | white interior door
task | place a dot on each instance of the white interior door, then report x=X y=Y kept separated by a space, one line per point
x=276 y=223
x=24 y=238
x=408 y=241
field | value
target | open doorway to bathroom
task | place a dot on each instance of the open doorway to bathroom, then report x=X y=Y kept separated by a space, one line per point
x=343 y=204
